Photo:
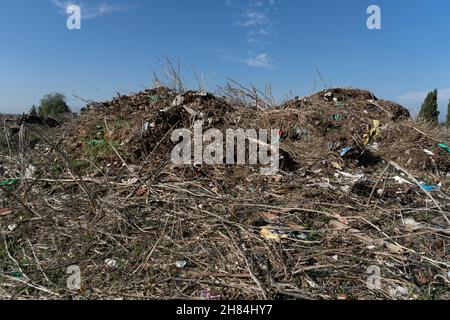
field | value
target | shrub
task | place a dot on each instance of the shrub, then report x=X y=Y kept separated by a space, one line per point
x=54 y=105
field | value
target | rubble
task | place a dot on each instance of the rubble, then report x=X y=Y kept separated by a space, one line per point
x=355 y=189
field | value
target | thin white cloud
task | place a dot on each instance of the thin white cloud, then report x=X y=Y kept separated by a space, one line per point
x=414 y=100
x=260 y=61
x=253 y=19
x=92 y=9
x=257 y=18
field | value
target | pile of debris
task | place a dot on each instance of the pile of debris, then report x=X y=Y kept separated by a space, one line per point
x=362 y=188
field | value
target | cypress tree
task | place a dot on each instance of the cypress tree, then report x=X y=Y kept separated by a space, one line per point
x=429 y=111
x=448 y=115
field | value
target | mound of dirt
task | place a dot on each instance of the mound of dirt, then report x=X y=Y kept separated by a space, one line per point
x=360 y=184
x=318 y=129
x=332 y=125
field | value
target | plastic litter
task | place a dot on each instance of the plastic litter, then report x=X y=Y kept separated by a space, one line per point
x=412 y=224
x=96 y=143
x=373 y=132
x=17 y=275
x=111 y=263
x=178 y=101
x=8 y=182
x=181 y=264
x=296 y=198
x=444 y=147
x=145 y=127
x=328 y=96
x=429 y=188
x=154 y=99
x=345 y=151
x=30 y=171
x=428 y=152
x=12 y=227
x=401 y=180
x=353 y=177
x=374 y=146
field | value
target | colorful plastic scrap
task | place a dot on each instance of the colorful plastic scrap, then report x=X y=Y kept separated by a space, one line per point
x=8 y=182
x=154 y=99
x=429 y=188
x=373 y=132
x=444 y=147
x=96 y=143
x=345 y=151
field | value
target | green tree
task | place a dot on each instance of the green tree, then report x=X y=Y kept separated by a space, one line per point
x=429 y=111
x=448 y=115
x=53 y=105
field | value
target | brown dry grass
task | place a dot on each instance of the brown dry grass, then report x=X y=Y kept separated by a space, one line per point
x=125 y=202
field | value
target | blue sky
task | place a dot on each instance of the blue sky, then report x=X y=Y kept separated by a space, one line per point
x=283 y=42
